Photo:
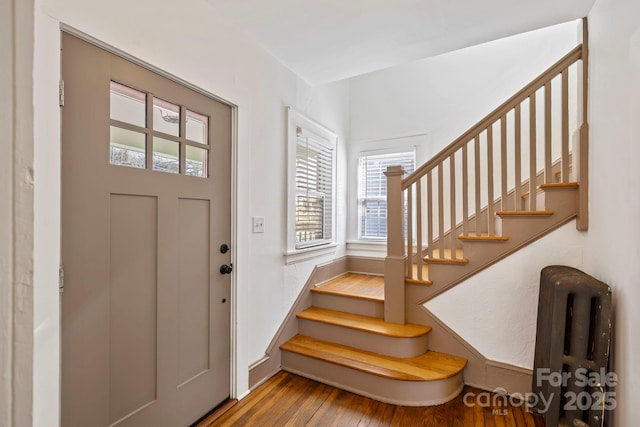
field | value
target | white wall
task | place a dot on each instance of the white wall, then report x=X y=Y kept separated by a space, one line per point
x=190 y=41
x=447 y=94
x=444 y=96
x=496 y=310
x=612 y=251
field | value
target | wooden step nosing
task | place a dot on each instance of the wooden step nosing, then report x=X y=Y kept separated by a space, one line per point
x=363 y=327
x=559 y=185
x=346 y=362
x=453 y=261
x=492 y=239
x=411 y=281
x=524 y=213
x=364 y=366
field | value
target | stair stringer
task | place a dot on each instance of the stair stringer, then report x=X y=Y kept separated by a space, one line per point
x=521 y=231
x=480 y=371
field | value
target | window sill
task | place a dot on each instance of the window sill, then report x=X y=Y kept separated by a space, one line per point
x=300 y=255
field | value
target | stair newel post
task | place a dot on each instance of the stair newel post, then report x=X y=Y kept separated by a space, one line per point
x=581 y=149
x=394 y=262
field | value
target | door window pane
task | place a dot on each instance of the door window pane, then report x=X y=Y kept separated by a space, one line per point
x=196 y=161
x=166 y=117
x=197 y=126
x=127 y=148
x=127 y=105
x=166 y=155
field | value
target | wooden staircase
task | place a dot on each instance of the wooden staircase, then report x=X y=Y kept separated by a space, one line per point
x=343 y=341
x=454 y=216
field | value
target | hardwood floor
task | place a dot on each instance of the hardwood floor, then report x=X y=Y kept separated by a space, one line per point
x=290 y=400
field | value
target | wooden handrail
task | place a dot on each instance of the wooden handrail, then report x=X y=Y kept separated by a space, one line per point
x=495 y=115
x=519 y=139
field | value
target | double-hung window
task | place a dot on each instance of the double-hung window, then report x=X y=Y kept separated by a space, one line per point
x=372 y=189
x=314 y=189
x=312 y=184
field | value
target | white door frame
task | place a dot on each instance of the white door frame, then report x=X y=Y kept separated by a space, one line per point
x=16 y=213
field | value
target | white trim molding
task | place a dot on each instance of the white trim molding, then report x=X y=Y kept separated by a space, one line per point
x=367 y=248
x=299 y=255
x=16 y=213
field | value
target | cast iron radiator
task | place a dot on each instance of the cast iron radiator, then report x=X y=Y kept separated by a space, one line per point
x=572 y=347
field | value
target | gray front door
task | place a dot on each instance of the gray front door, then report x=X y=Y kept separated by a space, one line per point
x=146 y=196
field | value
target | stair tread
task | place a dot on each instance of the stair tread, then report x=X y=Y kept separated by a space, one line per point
x=447 y=260
x=446 y=257
x=412 y=281
x=557 y=185
x=430 y=366
x=363 y=323
x=417 y=279
x=560 y=185
x=524 y=213
x=362 y=286
x=484 y=237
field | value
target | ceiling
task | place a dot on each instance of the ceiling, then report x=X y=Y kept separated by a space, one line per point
x=329 y=40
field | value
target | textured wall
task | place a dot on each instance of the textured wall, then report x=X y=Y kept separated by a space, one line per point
x=612 y=253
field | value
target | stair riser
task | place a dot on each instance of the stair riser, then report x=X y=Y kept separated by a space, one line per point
x=520 y=229
x=349 y=305
x=484 y=250
x=406 y=393
x=362 y=340
x=560 y=198
x=540 y=201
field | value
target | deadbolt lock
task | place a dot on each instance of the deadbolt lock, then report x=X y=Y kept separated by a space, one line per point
x=226 y=269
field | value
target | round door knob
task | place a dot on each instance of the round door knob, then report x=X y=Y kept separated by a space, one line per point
x=226 y=269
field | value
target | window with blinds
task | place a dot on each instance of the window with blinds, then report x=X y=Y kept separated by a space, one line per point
x=372 y=190
x=314 y=190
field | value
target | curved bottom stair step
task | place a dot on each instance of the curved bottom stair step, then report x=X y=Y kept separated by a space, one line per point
x=429 y=379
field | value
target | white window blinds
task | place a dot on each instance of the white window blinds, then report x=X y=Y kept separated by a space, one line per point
x=372 y=190
x=314 y=190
